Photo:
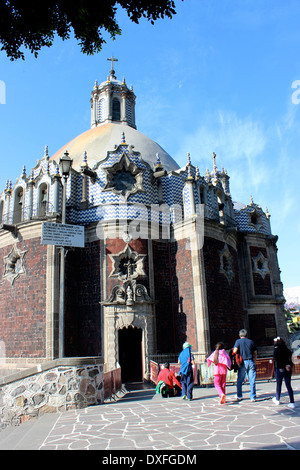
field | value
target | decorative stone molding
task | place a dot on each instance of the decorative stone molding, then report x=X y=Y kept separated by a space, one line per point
x=127 y=264
x=14 y=264
x=128 y=294
x=261 y=265
x=255 y=219
x=127 y=267
x=119 y=316
x=226 y=263
x=124 y=178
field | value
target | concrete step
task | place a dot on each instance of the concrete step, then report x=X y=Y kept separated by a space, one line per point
x=28 y=435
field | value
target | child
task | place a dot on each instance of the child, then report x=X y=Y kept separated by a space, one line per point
x=221 y=362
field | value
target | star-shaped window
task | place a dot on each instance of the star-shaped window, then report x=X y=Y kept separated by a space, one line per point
x=123 y=181
x=124 y=178
x=127 y=264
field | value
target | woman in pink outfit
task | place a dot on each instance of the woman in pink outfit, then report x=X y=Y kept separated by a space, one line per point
x=221 y=362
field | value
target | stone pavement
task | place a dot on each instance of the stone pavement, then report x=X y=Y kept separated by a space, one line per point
x=141 y=420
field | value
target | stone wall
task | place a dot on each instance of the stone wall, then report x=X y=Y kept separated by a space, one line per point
x=60 y=385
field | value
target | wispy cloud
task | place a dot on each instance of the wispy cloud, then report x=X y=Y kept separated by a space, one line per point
x=239 y=144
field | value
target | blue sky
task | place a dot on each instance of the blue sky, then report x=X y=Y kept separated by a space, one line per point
x=216 y=78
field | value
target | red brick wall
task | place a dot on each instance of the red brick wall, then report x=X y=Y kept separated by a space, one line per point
x=185 y=322
x=175 y=318
x=224 y=298
x=165 y=302
x=263 y=329
x=23 y=304
x=82 y=297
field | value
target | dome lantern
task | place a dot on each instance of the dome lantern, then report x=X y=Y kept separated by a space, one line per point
x=112 y=101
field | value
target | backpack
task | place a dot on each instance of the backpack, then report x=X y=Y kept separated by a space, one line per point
x=236 y=361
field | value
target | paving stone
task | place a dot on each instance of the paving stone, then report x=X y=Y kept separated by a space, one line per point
x=153 y=424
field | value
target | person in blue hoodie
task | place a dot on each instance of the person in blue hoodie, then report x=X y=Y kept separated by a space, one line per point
x=186 y=360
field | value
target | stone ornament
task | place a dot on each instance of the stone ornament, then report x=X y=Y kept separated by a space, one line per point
x=14 y=264
x=127 y=264
x=124 y=178
x=260 y=265
x=226 y=263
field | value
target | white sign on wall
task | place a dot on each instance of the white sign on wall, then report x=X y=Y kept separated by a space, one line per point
x=62 y=235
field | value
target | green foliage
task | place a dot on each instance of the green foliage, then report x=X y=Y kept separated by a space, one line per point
x=33 y=23
x=292 y=316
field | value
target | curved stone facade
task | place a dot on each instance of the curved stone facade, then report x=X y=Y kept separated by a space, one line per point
x=168 y=255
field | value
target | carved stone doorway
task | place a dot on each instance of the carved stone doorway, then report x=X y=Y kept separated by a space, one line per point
x=130 y=354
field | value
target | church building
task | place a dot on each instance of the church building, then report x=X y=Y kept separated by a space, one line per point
x=167 y=254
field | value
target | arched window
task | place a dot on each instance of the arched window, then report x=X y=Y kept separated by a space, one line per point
x=202 y=194
x=18 y=205
x=116 y=110
x=220 y=198
x=42 y=200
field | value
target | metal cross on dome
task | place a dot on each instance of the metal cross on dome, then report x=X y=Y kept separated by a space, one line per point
x=112 y=60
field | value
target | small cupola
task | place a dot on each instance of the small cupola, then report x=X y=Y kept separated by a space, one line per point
x=112 y=101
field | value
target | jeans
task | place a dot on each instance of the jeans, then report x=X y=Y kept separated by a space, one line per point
x=187 y=383
x=280 y=375
x=248 y=367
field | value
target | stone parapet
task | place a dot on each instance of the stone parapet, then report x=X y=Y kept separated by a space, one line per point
x=59 y=385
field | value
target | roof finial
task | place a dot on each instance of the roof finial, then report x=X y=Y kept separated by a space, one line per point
x=84 y=160
x=112 y=72
x=24 y=172
x=190 y=176
x=214 y=160
x=46 y=152
x=158 y=165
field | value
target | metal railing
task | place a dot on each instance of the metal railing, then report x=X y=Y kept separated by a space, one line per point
x=28 y=212
x=212 y=214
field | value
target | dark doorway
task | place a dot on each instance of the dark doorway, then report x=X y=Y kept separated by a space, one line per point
x=130 y=354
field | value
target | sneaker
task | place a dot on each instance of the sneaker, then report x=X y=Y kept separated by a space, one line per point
x=275 y=401
x=238 y=398
x=253 y=400
x=184 y=397
x=291 y=405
